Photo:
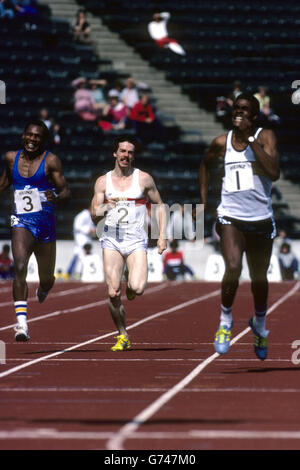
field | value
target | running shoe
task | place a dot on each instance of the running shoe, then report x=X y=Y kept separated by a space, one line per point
x=260 y=342
x=122 y=344
x=41 y=294
x=222 y=339
x=21 y=334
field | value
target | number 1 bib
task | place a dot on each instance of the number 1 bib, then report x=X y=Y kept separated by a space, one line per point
x=239 y=177
x=27 y=201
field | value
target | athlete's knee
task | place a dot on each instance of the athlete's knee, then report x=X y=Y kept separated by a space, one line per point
x=233 y=269
x=114 y=296
x=137 y=287
x=20 y=269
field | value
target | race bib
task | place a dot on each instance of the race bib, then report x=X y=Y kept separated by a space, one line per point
x=239 y=177
x=124 y=213
x=27 y=201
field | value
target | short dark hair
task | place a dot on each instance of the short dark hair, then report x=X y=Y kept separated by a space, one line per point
x=126 y=138
x=254 y=102
x=42 y=125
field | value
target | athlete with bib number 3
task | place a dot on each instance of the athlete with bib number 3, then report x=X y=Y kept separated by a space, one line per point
x=39 y=183
x=244 y=216
x=120 y=198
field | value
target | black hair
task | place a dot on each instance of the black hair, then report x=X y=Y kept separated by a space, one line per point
x=126 y=138
x=254 y=102
x=42 y=125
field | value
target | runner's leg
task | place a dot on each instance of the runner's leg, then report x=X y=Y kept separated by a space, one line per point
x=113 y=263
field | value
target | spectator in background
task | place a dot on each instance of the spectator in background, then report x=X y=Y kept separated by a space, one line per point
x=84 y=103
x=7 y=9
x=81 y=27
x=6 y=264
x=289 y=265
x=44 y=116
x=55 y=132
x=158 y=31
x=115 y=114
x=173 y=263
x=97 y=93
x=266 y=112
x=130 y=95
x=143 y=119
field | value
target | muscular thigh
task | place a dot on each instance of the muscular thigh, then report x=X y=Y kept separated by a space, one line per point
x=232 y=243
x=113 y=264
x=258 y=252
x=22 y=243
x=137 y=269
x=45 y=254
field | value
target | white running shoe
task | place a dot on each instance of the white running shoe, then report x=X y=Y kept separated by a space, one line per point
x=21 y=334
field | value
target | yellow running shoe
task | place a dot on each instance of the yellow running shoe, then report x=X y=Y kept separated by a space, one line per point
x=122 y=343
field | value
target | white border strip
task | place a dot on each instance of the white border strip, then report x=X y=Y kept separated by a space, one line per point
x=116 y=443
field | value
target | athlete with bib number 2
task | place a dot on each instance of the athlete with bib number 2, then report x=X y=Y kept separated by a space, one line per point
x=245 y=221
x=39 y=183
x=120 y=198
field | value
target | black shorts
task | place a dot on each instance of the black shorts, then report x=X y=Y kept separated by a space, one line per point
x=265 y=229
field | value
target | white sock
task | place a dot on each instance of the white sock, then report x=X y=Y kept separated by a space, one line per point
x=260 y=320
x=21 y=313
x=226 y=316
x=260 y=325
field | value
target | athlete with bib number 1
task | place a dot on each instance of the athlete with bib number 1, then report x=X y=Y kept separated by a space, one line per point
x=245 y=221
x=39 y=183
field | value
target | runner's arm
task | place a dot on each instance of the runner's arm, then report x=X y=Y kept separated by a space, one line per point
x=57 y=176
x=266 y=153
x=99 y=206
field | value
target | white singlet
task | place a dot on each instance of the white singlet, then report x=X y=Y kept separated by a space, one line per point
x=125 y=224
x=245 y=195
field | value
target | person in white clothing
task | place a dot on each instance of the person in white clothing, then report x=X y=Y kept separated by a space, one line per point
x=120 y=198
x=84 y=231
x=158 y=31
x=245 y=221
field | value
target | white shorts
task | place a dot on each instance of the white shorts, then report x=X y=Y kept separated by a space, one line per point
x=125 y=247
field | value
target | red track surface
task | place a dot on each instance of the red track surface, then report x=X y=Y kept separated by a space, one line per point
x=65 y=389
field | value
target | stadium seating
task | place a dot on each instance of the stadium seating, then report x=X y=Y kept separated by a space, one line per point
x=255 y=42
x=249 y=41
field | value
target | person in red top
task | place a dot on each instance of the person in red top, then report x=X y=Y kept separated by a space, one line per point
x=173 y=263
x=143 y=119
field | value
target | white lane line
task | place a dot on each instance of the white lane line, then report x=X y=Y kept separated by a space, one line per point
x=116 y=443
x=78 y=308
x=55 y=389
x=134 y=325
x=47 y=433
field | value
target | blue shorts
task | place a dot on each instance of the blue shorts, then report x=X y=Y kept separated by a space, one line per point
x=42 y=225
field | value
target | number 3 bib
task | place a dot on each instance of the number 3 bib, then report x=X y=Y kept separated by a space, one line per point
x=238 y=177
x=27 y=201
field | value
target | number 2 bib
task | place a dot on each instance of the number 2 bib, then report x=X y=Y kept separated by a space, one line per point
x=239 y=177
x=27 y=201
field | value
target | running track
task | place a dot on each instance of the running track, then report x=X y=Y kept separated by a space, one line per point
x=65 y=389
